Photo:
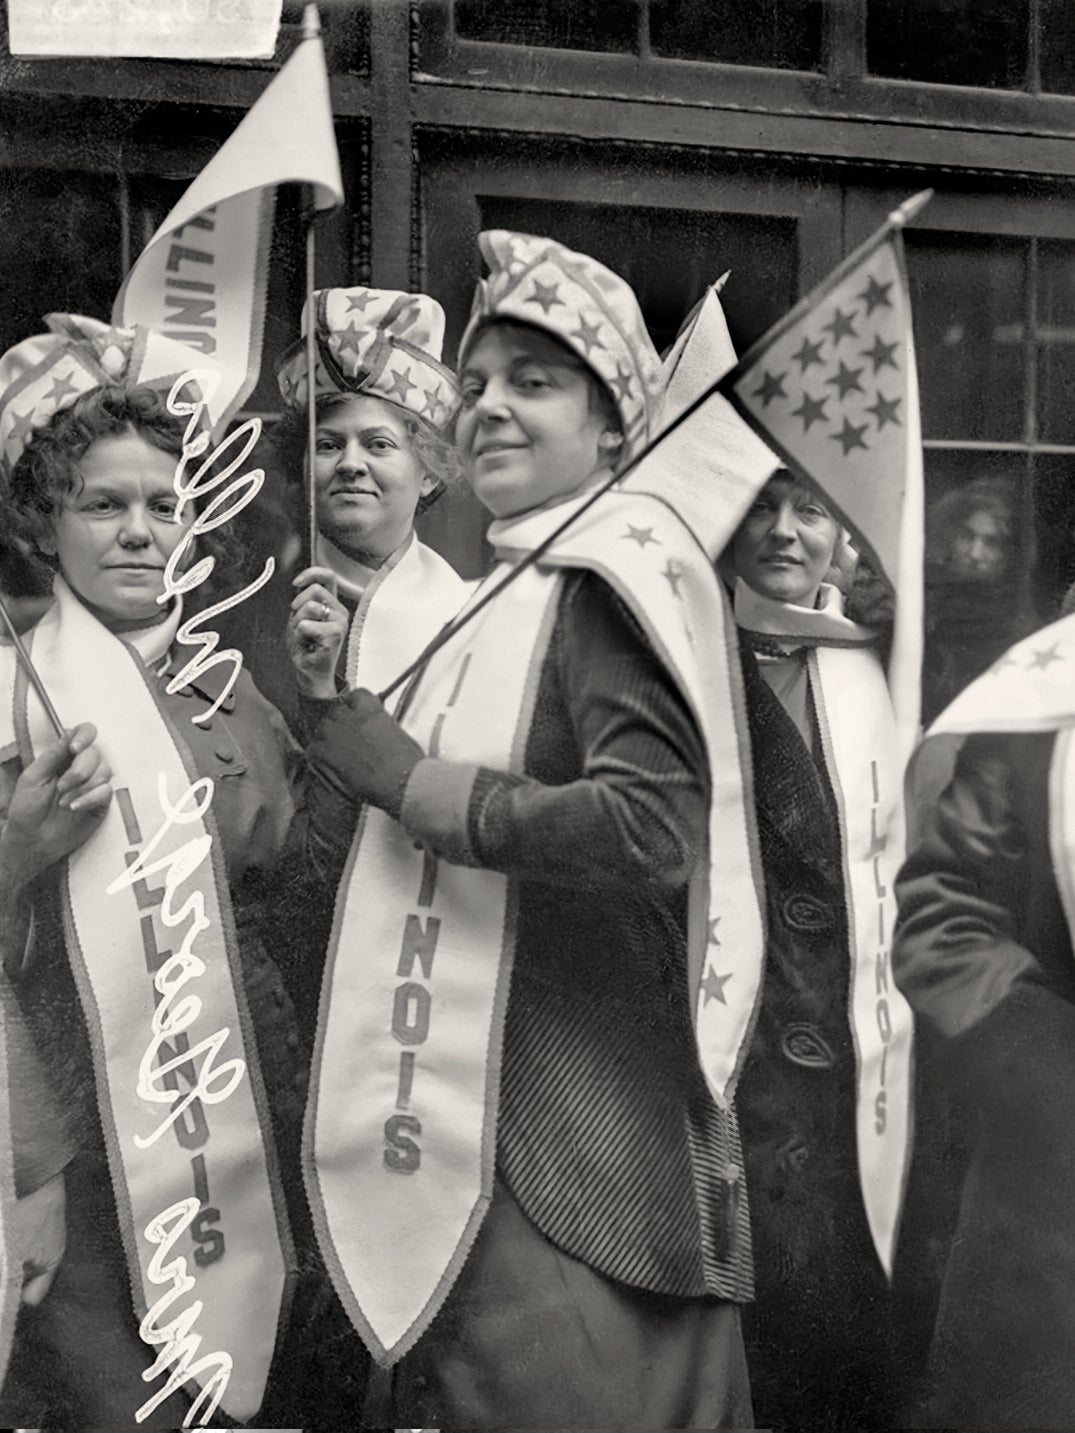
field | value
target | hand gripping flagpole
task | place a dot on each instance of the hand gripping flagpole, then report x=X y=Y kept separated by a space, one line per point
x=896 y=220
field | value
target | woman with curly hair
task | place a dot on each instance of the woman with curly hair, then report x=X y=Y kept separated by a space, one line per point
x=136 y=927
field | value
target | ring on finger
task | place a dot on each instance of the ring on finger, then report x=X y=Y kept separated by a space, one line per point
x=324 y=610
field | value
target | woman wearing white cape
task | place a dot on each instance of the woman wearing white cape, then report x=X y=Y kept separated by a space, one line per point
x=527 y=1183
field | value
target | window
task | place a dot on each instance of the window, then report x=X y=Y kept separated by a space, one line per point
x=780 y=34
x=669 y=256
x=991 y=44
x=995 y=338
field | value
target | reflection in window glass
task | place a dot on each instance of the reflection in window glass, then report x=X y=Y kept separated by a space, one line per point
x=668 y=256
x=561 y=24
x=1057 y=46
x=950 y=42
x=1056 y=341
x=968 y=302
x=784 y=34
x=976 y=553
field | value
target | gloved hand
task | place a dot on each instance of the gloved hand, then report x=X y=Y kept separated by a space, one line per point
x=364 y=752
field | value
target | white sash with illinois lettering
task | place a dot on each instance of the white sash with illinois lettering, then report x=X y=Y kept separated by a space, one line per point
x=401 y=1131
x=151 y=941
x=861 y=752
x=1031 y=688
x=858 y=731
x=400 y=610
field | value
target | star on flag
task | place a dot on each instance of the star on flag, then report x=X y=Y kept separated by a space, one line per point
x=846 y=419
x=828 y=387
x=713 y=985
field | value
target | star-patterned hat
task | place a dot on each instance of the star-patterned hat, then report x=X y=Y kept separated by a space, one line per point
x=375 y=341
x=583 y=304
x=45 y=374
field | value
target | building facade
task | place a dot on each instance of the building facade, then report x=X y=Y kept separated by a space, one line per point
x=672 y=139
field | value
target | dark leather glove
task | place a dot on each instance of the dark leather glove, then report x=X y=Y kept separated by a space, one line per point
x=364 y=752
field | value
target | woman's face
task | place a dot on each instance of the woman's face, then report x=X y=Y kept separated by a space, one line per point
x=117 y=529
x=785 y=544
x=528 y=431
x=367 y=476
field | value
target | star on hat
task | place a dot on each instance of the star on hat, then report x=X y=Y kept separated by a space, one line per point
x=362 y=355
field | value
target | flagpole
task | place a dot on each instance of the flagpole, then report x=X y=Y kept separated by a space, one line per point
x=311 y=29
x=311 y=408
x=23 y=658
x=451 y=628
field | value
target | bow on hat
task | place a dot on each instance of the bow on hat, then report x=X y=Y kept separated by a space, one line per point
x=586 y=306
x=374 y=341
x=45 y=374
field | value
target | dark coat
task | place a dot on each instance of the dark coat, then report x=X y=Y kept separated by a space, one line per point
x=818 y=1335
x=983 y=953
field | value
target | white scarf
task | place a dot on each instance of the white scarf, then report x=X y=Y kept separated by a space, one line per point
x=861 y=755
x=401 y=606
x=401 y=1127
x=193 y=1169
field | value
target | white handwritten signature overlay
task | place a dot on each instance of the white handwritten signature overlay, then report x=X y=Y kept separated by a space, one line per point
x=175 y=1338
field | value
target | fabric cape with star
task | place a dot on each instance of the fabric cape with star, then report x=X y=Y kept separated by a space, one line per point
x=202 y=277
x=402 y=1123
x=832 y=389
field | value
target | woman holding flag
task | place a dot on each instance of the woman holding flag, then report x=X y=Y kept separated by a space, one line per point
x=528 y=1188
x=373 y=594
x=145 y=971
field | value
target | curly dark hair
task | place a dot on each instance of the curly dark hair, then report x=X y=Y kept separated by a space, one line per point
x=436 y=453
x=48 y=471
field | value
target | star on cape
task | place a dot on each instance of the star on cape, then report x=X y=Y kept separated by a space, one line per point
x=713 y=985
x=772 y=386
x=850 y=436
x=431 y=401
x=811 y=410
x=840 y=326
x=808 y=353
x=885 y=410
x=714 y=938
x=875 y=295
x=546 y=295
x=880 y=354
x=642 y=535
x=588 y=334
x=846 y=380
x=1045 y=658
x=359 y=301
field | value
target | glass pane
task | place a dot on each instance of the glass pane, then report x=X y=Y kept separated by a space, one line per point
x=562 y=24
x=1057 y=46
x=1054 y=531
x=950 y=42
x=76 y=268
x=968 y=301
x=784 y=34
x=1056 y=341
x=668 y=256
x=976 y=553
